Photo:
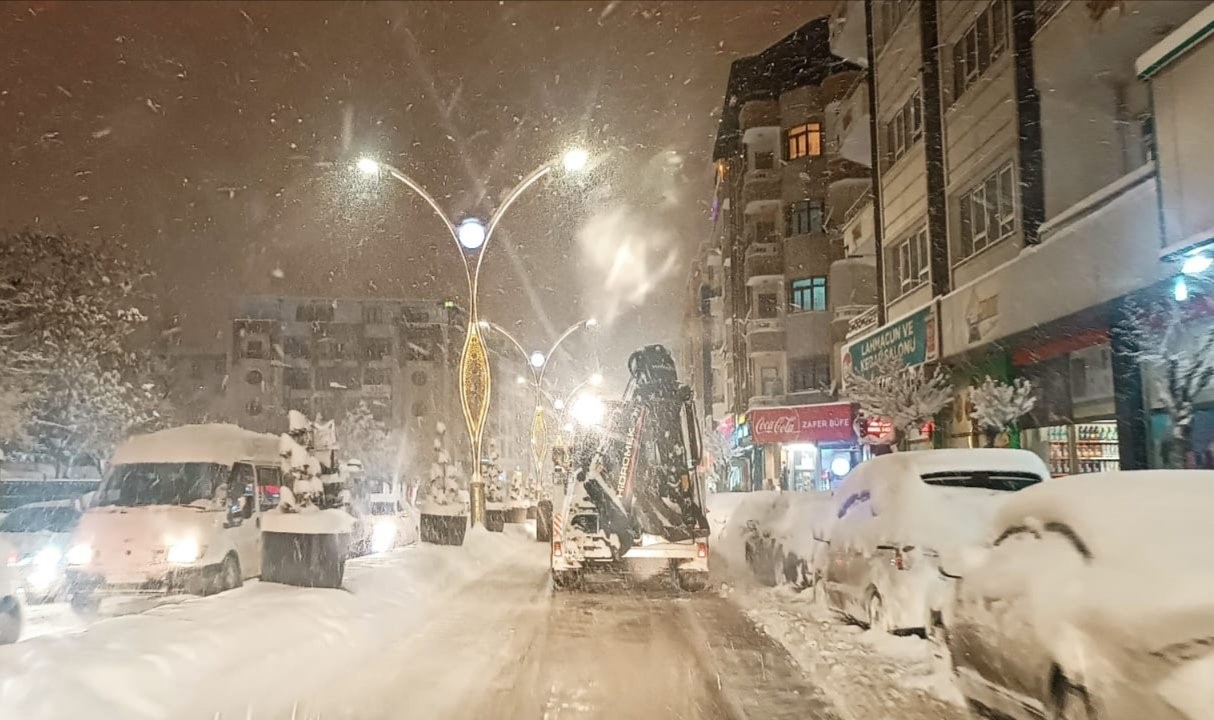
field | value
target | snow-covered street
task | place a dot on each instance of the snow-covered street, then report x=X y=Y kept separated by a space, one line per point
x=452 y=633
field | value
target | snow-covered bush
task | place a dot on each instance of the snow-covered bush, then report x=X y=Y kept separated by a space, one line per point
x=443 y=490
x=364 y=438
x=906 y=397
x=997 y=406
x=494 y=492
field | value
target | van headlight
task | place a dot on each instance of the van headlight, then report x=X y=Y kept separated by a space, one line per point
x=48 y=556
x=81 y=554
x=383 y=536
x=183 y=552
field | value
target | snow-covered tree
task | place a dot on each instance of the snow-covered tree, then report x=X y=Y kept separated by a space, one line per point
x=494 y=492
x=1182 y=364
x=364 y=438
x=14 y=416
x=67 y=313
x=998 y=405
x=445 y=484
x=906 y=397
x=716 y=457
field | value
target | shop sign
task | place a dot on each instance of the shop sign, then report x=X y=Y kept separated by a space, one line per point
x=876 y=431
x=913 y=340
x=830 y=422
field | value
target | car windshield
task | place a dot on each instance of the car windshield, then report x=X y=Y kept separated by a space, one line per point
x=160 y=483
x=1003 y=481
x=383 y=508
x=40 y=519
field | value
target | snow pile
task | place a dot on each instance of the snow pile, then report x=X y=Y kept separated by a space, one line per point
x=251 y=652
x=308 y=521
x=865 y=674
x=794 y=520
x=214 y=443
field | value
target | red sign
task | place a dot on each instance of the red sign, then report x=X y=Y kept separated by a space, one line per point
x=804 y=423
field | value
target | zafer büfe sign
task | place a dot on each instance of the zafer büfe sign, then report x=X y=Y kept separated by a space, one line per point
x=830 y=422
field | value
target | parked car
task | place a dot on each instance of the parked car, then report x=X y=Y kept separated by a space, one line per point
x=1095 y=599
x=389 y=522
x=38 y=534
x=10 y=603
x=894 y=515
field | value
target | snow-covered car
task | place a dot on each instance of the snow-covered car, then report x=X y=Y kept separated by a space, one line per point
x=179 y=510
x=389 y=522
x=38 y=535
x=775 y=535
x=1095 y=599
x=10 y=603
x=895 y=514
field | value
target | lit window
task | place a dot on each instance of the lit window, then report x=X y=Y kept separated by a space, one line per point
x=805 y=141
x=809 y=294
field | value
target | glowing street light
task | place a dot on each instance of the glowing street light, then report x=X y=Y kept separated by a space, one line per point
x=588 y=410
x=576 y=160
x=536 y=359
x=471 y=236
x=367 y=166
x=596 y=379
x=471 y=233
x=520 y=380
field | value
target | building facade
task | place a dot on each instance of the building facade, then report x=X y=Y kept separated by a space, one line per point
x=773 y=288
x=1013 y=211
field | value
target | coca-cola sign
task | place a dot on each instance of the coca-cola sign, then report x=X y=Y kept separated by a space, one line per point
x=804 y=423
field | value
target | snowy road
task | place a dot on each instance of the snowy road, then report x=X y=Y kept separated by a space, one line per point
x=469 y=632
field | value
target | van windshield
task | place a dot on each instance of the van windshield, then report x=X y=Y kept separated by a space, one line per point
x=983 y=480
x=43 y=518
x=160 y=483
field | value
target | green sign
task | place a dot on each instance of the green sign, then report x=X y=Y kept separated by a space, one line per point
x=913 y=340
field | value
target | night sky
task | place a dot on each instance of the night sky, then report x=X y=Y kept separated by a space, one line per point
x=218 y=139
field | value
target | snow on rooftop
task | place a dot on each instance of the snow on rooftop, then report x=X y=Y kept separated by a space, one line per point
x=1176 y=43
x=215 y=442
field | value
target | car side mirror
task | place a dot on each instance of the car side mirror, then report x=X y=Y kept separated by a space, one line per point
x=963 y=561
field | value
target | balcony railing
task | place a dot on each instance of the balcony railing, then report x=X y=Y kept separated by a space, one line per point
x=865 y=321
x=763 y=260
x=760 y=185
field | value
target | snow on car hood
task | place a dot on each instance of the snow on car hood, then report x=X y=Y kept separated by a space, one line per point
x=145 y=526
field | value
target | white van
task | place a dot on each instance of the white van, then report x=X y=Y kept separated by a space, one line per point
x=178 y=511
x=896 y=514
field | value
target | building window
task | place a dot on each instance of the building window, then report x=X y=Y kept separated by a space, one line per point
x=195 y=370
x=313 y=312
x=253 y=407
x=377 y=348
x=892 y=13
x=766 y=306
x=979 y=47
x=805 y=140
x=221 y=365
x=419 y=377
x=253 y=377
x=987 y=213
x=808 y=374
x=419 y=409
x=296 y=347
x=1045 y=10
x=809 y=294
x=909 y=264
x=376 y=376
x=373 y=314
x=338 y=378
x=255 y=350
x=765 y=231
x=769 y=382
x=765 y=161
x=804 y=217
x=904 y=128
x=297 y=378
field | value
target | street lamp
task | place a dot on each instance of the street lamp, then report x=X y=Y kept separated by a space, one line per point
x=471 y=236
x=538 y=362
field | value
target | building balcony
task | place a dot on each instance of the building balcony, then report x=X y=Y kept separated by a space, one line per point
x=854 y=138
x=760 y=187
x=765 y=336
x=759 y=113
x=764 y=261
x=862 y=323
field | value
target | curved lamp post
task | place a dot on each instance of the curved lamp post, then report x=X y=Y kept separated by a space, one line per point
x=537 y=362
x=471 y=236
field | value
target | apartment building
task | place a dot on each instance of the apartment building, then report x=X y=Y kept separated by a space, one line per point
x=767 y=292
x=324 y=356
x=1013 y=206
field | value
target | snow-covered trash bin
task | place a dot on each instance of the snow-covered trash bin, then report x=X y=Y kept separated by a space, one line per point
x=307 y=549
x=496 y=506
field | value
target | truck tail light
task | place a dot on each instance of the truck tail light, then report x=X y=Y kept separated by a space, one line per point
x=902 y=558
x=556 y=547
x=701 y=550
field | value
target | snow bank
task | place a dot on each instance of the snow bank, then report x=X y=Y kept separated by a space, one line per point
x=250 y=652
x=218 y=443
x=865 y=674
x=791 y=519
x=316 y=522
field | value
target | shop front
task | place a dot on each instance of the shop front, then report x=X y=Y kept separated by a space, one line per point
x=805 y=447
